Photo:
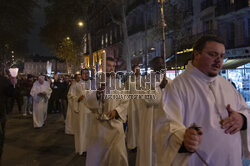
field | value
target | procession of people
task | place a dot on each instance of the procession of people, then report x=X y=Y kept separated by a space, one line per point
x=199 y=118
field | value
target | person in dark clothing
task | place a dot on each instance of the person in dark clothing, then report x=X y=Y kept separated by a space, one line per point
x=54 y=101
x=26 y=87
x=63 y=98
x=6 y=90
x=18 y=98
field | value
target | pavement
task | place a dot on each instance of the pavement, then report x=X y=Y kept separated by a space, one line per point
x=46 y=146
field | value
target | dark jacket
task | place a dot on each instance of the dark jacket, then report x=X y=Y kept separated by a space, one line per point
x=6 y=90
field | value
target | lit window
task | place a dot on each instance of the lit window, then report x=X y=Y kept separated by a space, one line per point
x=110 y=38
x=106 y=38
x=102 y=40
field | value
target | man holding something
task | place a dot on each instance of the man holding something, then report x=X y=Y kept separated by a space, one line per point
x=199 y=95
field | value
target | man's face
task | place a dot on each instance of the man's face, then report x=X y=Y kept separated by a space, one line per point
x=40 y=80
x=78 y=78
x=56 y=77
x=85 y=75
x=110 y=66
x=210 y=59
x=137 y=71
x=66 y=79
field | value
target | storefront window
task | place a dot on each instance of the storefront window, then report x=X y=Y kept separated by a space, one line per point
x=241 y=78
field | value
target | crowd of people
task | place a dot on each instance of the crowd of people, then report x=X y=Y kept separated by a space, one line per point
x=198 y=118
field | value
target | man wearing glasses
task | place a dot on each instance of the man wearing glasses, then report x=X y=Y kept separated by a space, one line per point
x=200 y=96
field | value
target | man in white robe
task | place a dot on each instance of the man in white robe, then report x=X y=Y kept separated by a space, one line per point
x=150 y=151
x=134 y=106
x=82 y=118
x=72 y=101
x=199 y=95
x=40 y=93
x=107 y=141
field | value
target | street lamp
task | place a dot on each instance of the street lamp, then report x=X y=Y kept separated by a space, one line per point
x=68 y=38
x=80 y=24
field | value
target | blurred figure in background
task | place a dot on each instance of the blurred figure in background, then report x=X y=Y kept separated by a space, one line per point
x=41 y=93
x=54 y=105
x=18 y=98
x=27 y=98
x=65 y=89
x=6 y=90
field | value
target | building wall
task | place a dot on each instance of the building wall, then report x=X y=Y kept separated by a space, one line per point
x=37 y=68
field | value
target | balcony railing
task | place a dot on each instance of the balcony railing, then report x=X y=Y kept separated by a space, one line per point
x=206 y=4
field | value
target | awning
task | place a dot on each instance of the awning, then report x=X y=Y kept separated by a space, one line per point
x=234 y=63
x=182 y=60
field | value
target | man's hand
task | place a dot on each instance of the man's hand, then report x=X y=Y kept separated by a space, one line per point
x=192 y=139
x=42 y=94
x=233 y=123
x=80 y=98
x=112 y=114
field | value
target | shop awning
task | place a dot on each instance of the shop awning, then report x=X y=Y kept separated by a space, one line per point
x=182 y=60
x=234 y=63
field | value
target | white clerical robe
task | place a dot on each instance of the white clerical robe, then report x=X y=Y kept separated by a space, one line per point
x=150 y=151
x=135 y=105
x=107 y=141
x=40 y=104
x=70 y=110
x=193 y=97
x=82 y=117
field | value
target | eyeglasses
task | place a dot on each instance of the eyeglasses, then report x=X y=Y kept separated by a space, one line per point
x=214 y=54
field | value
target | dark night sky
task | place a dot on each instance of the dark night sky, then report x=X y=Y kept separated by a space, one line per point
x=34 y=43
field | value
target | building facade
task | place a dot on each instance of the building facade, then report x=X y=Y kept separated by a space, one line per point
x=39 y=65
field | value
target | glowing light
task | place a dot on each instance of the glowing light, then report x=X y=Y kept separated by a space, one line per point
x=80 y=23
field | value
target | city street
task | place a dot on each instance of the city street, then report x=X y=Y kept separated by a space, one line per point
x=47 y=146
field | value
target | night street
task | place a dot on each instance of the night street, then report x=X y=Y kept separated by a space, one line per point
x=48 y=146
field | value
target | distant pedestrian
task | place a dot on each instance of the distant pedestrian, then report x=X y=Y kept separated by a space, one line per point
x=26 y=87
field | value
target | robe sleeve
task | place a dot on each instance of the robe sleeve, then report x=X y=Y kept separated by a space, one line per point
x=33 y=91
x=173 y=108
x=158 y=92
x=48 y=90
x=245 y=134
x=91 y=101
x=122 y=109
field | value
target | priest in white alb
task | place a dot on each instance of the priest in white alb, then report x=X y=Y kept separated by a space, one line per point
x=40 y=93
x=107 y=138
x=72 y=106
x=135 y=105
x=150 y=151
x=220 y=136
x=82 y=115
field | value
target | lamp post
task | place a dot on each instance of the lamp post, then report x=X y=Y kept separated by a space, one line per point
x=163 y=25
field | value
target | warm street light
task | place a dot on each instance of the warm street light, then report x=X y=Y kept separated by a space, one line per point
x=68 y=38
x=80 y=23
